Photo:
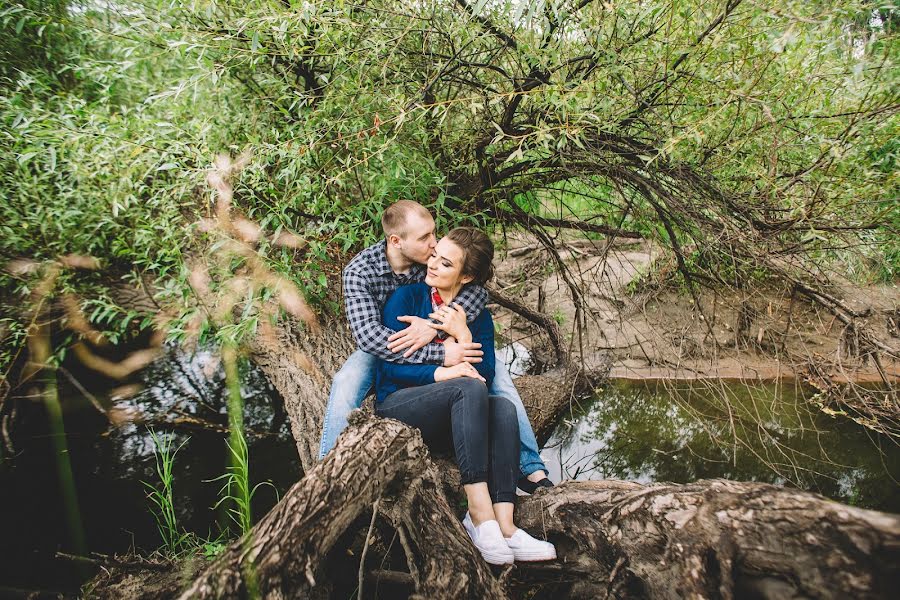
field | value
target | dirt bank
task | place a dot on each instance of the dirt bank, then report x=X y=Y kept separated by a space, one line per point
x=638 y=313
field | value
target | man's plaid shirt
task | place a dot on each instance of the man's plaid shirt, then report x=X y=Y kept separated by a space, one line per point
x=369 y=281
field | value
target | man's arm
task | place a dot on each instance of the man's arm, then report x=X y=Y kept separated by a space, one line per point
x=473 y=298
x=368 y=331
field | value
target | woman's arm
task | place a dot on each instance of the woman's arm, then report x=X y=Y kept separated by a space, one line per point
x=451 y=319
x=405 y=301
x=482 y=329
x=410 y=374
x=415 y=300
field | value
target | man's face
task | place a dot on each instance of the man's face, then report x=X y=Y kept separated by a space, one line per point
x=419 y=240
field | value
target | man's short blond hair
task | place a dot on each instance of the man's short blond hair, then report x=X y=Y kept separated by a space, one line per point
x=393 y=221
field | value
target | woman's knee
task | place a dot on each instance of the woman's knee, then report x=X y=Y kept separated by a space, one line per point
x=473 y=390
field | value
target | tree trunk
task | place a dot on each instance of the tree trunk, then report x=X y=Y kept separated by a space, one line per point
x=301 y=367
x=715 y=539
x=301 y=364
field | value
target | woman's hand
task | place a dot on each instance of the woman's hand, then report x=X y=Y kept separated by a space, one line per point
x=452 y=320
x=463 y=369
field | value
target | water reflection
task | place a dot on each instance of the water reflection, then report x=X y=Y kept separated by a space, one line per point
x=681 y=432
x=180 y=395
x=185 y=394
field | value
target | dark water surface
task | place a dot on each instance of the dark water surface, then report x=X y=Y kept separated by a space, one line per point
x=110 y=462
x=685 y=431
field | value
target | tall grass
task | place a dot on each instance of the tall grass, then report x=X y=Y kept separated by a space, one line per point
x=236 y=490
x=236 y=493
x=175 y=540
x=63 y=464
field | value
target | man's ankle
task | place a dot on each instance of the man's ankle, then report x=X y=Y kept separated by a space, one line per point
x=537 y=476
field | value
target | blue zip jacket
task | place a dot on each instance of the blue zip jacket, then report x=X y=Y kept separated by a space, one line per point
x=415 y=300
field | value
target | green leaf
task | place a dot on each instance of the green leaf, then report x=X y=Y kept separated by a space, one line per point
x=24 y=158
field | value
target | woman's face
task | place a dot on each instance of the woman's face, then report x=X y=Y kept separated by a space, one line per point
x=445 y=266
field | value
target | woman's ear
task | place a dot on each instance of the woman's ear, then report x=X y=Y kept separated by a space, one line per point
x=466 y=279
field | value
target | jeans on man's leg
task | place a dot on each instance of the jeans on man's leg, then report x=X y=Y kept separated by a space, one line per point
x=529 y=453
x=348 y=390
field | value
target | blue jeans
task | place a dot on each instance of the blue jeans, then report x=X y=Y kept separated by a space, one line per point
x=352 y=383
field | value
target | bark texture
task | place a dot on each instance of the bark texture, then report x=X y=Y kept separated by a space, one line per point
x=710 y=539
x=375 y=460
x=714 y=539
x=301 y=367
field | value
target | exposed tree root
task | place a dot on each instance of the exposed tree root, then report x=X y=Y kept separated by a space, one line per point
x=615 y=539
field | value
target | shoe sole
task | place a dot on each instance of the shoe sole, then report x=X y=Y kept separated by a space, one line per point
x=496 y=559
x=534 y=556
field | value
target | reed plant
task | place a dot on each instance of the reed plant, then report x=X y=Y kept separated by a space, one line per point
x=175 y=540
x=236 y=491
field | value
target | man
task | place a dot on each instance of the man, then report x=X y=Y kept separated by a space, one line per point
x=369 y=279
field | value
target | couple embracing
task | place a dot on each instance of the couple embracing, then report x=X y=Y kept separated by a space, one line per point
x=416 y=308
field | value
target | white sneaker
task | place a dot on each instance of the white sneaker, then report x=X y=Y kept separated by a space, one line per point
x=488 y=539
x=527 y=549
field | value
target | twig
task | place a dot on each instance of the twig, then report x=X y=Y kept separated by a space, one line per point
x=410 y=556
x=395 y=577
x=538 y=318
x=362 y=557
x=102 y=560
x=93 y=399
x=612 y=575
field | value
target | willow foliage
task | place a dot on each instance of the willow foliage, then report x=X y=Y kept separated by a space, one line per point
x=745 y=136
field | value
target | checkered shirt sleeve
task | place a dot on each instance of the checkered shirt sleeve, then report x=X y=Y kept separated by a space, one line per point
x=364 y=316
x=473 y=298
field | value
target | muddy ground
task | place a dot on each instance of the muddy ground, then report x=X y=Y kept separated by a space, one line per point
x=638 y=311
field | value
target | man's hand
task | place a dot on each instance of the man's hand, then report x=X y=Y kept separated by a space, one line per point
x=419 y=333
x=463 y=369
x=461 y=352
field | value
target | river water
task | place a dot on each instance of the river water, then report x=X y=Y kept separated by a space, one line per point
x=661 y=432
x=688 y=430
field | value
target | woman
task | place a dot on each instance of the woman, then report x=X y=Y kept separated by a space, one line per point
x=451 y=405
